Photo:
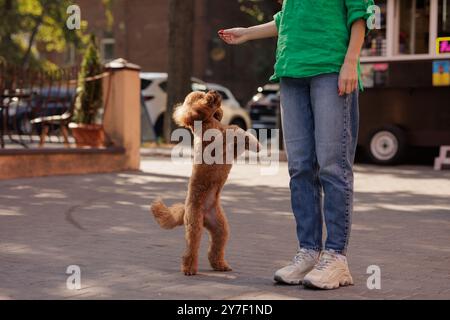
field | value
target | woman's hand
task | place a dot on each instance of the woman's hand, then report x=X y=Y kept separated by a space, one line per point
x=241 y=35
x=348 y=77
x=234 y=35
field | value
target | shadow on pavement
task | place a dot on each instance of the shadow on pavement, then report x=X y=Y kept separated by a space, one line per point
x=102 y=223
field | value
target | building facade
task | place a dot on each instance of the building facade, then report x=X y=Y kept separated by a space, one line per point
x=139 y=33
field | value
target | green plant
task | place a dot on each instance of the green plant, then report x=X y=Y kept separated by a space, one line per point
x=89 y=100
x=30 y=30
x=260 y=10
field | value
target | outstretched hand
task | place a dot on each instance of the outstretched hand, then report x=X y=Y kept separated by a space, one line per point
x=234 y=35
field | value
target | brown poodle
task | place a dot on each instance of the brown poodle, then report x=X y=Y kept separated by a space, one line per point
x=202 y=207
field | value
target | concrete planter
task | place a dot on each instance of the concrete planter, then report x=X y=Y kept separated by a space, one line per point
x=88 y=135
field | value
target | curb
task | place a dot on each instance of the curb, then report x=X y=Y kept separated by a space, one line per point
x=167 y=153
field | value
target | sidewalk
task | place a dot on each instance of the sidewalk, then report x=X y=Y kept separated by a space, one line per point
x=102 y=224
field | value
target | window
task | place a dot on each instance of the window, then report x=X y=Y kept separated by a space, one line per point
x=163 y=86
x=145 y=83
x=199 y=87
x=444 y=18
x=223 y=94
x=413 y=22
x=375 y=42
x=409 y=29
x=108 y=49
x=194 y=86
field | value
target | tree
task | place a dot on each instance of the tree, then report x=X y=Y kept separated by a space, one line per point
x=260 y=10
x=262 y=52
x=27 y=26
x=181 y=26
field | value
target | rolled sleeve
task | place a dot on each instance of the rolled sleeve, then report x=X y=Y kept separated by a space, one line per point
x=277 y=19
x=357 y=9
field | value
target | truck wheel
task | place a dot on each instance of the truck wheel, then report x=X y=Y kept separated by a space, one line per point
x=387 y=145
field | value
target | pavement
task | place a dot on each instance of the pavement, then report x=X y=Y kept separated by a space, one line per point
x=101 y=223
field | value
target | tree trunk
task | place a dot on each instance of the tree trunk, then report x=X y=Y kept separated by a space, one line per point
x=5 y=36
x=181 y=26
x=26 y=57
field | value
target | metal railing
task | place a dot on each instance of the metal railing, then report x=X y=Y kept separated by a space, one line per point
x=37 y=106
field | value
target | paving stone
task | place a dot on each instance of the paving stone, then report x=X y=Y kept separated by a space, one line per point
x=102 y=224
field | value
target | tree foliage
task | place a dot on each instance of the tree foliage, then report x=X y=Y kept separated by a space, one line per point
x=108 y=5
x=30 y=27
x=260 y=10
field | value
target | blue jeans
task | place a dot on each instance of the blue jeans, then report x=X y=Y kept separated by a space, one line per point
x=320 y=133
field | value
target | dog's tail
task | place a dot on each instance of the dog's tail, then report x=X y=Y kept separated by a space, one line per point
x=168 y=217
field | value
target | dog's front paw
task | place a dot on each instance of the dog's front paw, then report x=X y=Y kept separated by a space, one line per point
x=221 y=266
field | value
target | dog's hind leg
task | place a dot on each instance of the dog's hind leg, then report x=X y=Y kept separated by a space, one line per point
x=193 y=221
x=217 y=225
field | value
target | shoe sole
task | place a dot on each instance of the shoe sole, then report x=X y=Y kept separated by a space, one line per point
x=342 y=283
x=281 y=280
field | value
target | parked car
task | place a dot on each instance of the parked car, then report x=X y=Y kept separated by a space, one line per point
x=263 y=107
x=154 y=93
x=47 y=102
x=233 y=113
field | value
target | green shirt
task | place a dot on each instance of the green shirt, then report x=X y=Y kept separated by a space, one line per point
x=313 y=35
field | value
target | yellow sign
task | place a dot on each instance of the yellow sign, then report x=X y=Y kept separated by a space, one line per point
x=443 y=45
x=441 y=73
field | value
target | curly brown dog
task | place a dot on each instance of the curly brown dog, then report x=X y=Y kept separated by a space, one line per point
x=202 y=207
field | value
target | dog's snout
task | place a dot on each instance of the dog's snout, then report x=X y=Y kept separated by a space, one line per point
x=214 y=98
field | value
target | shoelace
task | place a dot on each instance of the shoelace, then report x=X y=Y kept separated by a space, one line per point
x=324 y=261
x=301 y=254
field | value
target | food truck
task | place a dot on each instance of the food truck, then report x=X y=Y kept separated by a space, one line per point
x=405 y=66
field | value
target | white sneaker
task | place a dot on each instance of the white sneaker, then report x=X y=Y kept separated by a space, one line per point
x=302 y=263
x=329 y=273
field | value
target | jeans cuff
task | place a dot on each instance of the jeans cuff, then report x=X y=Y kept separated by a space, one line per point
x=317 y=249
x=341 y=252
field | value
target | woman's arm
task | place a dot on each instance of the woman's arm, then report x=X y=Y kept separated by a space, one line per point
x=241 y=35
x=348 y=77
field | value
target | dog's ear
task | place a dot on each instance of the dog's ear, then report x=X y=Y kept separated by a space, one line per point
x=179 y=115
x=218 y=114
x=185 y=116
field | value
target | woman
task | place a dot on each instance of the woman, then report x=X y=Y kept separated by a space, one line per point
x=317 y=64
